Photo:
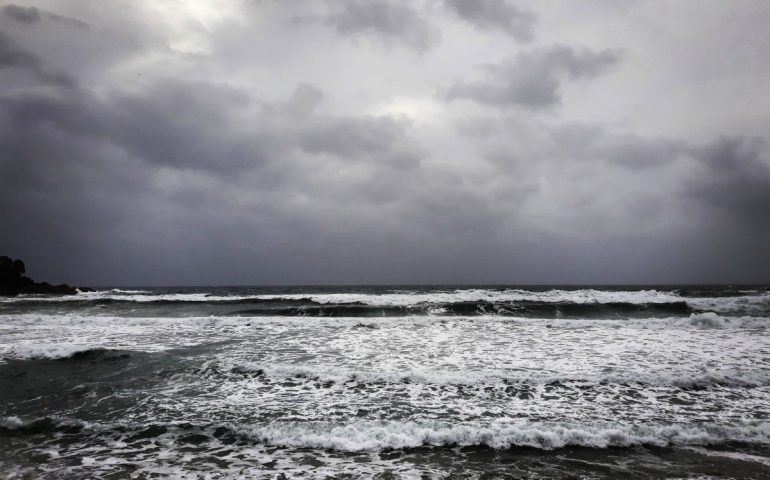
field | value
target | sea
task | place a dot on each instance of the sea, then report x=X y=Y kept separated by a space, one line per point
x=387 y=382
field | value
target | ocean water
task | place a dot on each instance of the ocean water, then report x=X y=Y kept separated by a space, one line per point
x=387 y=382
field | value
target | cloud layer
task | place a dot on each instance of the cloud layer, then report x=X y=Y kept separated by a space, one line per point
x=388 y=142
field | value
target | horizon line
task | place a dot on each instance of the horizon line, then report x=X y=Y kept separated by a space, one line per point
x=298 y=285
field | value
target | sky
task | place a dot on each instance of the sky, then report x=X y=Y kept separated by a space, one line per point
x=259 y=142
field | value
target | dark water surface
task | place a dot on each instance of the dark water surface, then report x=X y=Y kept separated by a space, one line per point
x=387 y=382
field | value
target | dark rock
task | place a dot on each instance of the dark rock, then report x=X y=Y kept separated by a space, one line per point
x=13 y=282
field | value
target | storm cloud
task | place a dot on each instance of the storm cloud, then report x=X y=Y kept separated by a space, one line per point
x=241 y=142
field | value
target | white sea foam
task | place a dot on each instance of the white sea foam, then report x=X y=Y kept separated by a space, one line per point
x=373 y=435
x=48 y=350
x=713 y=320
x=705 y=320
x=479 y=295
x=12 y=422
x=360 y=436
x=743 y=304
x=341 y=375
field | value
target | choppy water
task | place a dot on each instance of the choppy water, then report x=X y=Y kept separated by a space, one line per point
x=387 y=383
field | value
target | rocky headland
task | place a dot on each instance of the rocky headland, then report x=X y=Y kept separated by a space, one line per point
x=13 y=281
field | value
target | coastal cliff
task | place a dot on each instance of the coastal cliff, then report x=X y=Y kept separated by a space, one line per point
x=14 y=282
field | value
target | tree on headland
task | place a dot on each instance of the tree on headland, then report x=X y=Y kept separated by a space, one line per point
x=14 y=282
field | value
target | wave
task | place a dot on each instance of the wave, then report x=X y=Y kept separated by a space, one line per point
x=712 y=320
x=367 y=436
x=719 y=292
x=33 y=426
x=126 y=291
x=361 y=435
x=55 y=351
x=306 y=307
x=393 y=298
x=554 y=302
x=494 y=296
x=87 y=299
x=63 y=351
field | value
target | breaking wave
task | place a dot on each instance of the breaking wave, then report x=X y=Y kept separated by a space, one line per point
x=385 y=435
x=55 y=351
x=360 y=436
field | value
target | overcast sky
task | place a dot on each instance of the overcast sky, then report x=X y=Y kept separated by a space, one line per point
x=223 y=142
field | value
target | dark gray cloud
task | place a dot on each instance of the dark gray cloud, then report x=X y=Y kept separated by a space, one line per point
x=22 y=14
x=392 y=21
x=533 y=78
x=14 y=57
x=495 y=14
x=734 y=180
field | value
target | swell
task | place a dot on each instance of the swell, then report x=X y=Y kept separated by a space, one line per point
x=95 y=354
x=723 y=292
x=150 y=300
x=362 y=435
